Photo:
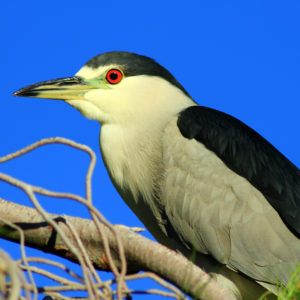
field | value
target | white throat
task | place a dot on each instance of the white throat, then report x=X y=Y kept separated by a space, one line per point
x=132 y=154
x=131 y=143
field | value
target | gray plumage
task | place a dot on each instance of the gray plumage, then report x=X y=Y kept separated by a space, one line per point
x=197 y=178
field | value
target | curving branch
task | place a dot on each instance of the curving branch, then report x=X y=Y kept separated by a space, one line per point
x=96 y=244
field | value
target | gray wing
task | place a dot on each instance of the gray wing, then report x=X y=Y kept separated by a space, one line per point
x=218 y=212
x=248 y=154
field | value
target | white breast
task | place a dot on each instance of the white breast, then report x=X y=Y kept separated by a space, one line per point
x=134 y=166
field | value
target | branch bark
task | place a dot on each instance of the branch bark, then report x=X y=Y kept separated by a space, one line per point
x=140 y=252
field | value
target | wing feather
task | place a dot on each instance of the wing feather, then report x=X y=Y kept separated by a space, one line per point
x=217 y=211
x=248 y=154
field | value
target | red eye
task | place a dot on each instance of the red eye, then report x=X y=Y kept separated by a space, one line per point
x=114 y=76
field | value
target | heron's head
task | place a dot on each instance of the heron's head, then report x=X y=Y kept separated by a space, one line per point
x=116 y=87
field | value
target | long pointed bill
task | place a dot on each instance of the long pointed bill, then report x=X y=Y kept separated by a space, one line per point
x=69 y=88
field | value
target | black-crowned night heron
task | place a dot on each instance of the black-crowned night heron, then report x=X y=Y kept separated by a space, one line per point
x=197 y=178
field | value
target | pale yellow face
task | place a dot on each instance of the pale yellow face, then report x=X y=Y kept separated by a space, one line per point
x=105 y=94
x=133 y=98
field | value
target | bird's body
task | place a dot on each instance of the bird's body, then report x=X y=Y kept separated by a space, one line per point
x=197 y=178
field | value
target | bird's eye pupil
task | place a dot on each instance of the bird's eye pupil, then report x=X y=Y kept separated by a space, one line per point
x=114 y=76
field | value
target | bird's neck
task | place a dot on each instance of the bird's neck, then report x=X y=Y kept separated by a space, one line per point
x=132 y=152
x=135 y=168
x=131 y=144
x=131 y=157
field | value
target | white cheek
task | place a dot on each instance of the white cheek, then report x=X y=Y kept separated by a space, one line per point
x=89 y=110
x=110 y=101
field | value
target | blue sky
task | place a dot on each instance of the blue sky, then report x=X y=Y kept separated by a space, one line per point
x=240 y=57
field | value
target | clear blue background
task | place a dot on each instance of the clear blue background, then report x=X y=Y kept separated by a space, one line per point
x=241 y=57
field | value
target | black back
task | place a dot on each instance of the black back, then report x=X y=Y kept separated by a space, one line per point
x=248 y=154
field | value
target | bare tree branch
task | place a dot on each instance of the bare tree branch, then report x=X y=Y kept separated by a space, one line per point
x=95 y=244
x=141 y=253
